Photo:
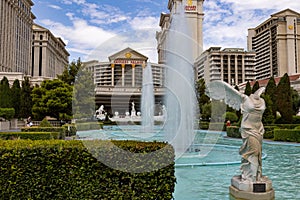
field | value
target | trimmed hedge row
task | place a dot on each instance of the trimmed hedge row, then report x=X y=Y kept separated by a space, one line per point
x=233 y=131
x=60 y=130
x=83 y=126
x=29 y=135
x=289 y=135
x=69 y=129
x=212 y=126
x=57 y=169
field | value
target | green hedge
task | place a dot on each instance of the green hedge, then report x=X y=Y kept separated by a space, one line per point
x=288 y=135
x=84 y=126
x=212 y=126
x=29 y=135
x=58 y=169
x=233 y=131
x=269 y=131
x=60 y=130
x=7 y=113
x=69 y=129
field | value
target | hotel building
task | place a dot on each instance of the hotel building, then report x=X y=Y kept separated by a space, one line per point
x=232 y=65
x=119 y=80
x=193 y=12
x=27 y=49
x=16 y=20
x=49 y=55
x=276 y=42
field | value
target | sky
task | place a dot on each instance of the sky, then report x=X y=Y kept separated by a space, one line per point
x=96 y=29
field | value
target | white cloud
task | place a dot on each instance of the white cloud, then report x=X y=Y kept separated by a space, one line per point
x=226 y=22
x=69 y=2
x=55 y=7
x=80 y=37
x=149 y=23
x=263 y=4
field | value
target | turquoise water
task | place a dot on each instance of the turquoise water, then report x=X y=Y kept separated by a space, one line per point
x=206 y=171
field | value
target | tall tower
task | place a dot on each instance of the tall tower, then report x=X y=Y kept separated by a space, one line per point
x=276 y=42
x=194 y=15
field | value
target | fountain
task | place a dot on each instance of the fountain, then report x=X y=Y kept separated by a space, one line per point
x=147 y=100
x=180 y=96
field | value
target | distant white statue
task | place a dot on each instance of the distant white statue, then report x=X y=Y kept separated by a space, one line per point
x=133 y=112
x=100 y=113
x=252 y=129
x=164 y=110
x=132 y=106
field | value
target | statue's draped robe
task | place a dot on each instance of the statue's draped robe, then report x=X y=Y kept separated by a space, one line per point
x=252 y=131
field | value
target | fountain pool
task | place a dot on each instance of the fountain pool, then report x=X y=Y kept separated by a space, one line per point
x=201 y=177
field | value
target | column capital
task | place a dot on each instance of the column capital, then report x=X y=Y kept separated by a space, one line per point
x=112 y=65
x=133 y=65
x=123 y=65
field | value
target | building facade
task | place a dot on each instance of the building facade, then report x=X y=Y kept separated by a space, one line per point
x=49 y=54
x=16 y=21
x=119 y=80
x=193 y=18
x=26 y=47
x=276 y=42
x=232 y=65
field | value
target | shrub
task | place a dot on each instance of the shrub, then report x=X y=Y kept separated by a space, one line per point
x=289 y=135
x=29 y=135
x=231 y=116
x=212 y=126
x=69 y=129
x=7 y=113
x=234 y=132
x=45 y=129
x=269 y=132
x=83 y=126
x=296 y=119
x=56 y=169
x=45 y=123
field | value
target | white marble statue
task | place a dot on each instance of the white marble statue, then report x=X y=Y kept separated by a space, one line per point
x=100 y=113
x=252 y=130
x=133 y=112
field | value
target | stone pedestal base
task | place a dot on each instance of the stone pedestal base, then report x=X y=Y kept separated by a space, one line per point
x=246 y=190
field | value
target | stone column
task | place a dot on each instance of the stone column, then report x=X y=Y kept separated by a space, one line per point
x=229 y=70
x=236 y=70
x=133 y=74
x=123 y=74
x=112 y=74
x=243 y=69
x=222 y=68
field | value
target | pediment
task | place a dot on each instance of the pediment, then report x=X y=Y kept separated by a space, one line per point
x=286 y=12
x=127 y=54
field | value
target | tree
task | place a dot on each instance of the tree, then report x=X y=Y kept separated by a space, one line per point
x=255 y=87
x=70 y=72
x=5 y=94
x=84 y=95
x=295 y=101
x=271 y=89
x=53 y=98
x=16 y=97
x=248 y=90
x=26 y=100
x=202 y=98
x=231 y=116
x=268 y=117
x=284 y=99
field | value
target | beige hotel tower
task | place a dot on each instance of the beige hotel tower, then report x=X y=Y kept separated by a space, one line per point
x=28 y=49
x=194 y=18
x=276 y=42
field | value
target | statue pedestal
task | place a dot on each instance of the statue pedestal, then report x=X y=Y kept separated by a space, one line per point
x=245 y=190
